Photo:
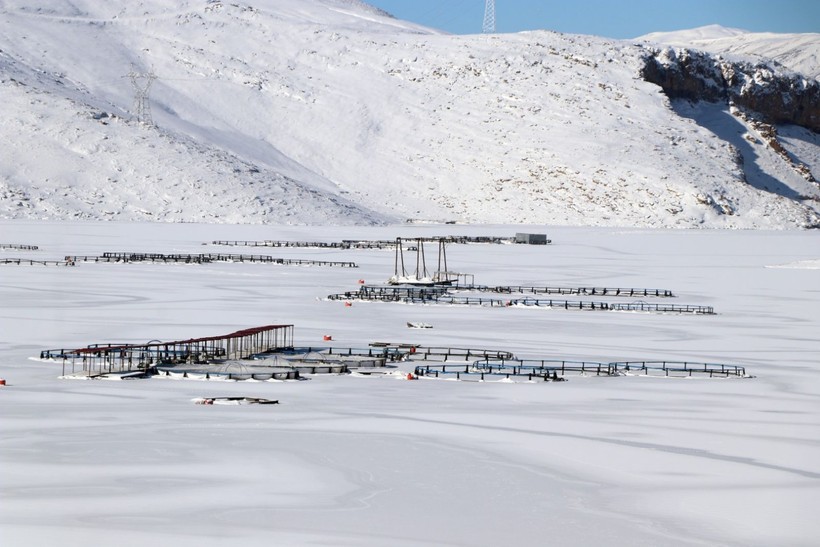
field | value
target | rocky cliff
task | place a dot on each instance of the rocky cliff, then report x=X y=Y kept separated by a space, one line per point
x=779 y=98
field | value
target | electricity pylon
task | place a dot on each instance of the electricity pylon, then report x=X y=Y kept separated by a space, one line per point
x=142 y=85
x=489 y=17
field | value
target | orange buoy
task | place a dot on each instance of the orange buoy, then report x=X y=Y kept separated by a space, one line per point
x=361 y=281
x=327 y=337
x=410 y=376
x=348 y=304
x=2 y=382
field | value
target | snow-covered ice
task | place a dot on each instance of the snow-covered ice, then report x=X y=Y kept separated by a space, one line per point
x=346 y=460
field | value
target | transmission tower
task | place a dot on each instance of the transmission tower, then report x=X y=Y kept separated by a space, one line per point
x=489 y=17
x=141 y=81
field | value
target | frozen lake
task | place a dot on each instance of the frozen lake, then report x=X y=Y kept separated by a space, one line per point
x=346 y=460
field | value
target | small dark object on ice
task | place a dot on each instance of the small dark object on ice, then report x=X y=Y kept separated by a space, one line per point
x=234 y=401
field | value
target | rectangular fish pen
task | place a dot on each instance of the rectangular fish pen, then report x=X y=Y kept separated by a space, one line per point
x=99 y=359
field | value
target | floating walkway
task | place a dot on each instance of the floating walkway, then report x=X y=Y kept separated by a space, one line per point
x=364 y=244
x=377 y=352
x=29 y=262
x=581 y=291
x=442 y=295
x=679 y=368
x=421 y=291
x=509 y=369
x=580 y=305
x=416 y=352
x=426 y=353
x=343 y=245
x=18 y=247
x=555 y=370
x=206 y=258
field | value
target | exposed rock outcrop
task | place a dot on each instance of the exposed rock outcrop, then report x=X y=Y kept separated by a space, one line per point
x=697 y=76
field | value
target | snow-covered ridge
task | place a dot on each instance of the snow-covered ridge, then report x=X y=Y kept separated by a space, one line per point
x=797 y=52
x=326 y=111
x=688 y=36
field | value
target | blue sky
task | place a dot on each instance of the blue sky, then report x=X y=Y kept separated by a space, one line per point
x=610 y=18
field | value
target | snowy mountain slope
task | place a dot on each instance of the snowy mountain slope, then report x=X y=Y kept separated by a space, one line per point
x=346 y=105
x=797 y=52
x=806 y=145
x=116 y=172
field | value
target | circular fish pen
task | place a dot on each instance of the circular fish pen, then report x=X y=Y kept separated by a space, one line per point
x=230 y=371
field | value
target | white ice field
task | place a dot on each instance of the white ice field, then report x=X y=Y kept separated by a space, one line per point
x=355 y=461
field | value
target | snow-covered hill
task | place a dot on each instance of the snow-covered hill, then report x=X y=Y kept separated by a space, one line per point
x=330 y=111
